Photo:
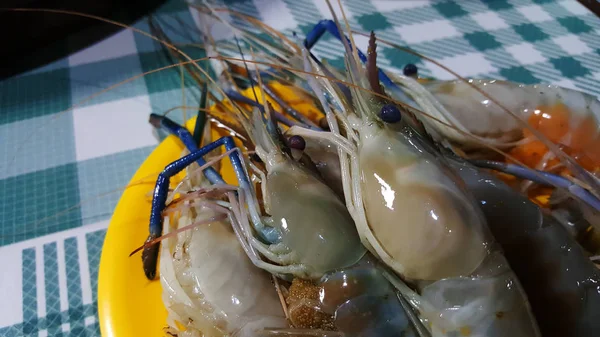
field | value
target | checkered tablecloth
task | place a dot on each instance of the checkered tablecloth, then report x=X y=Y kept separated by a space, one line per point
x=62 y=173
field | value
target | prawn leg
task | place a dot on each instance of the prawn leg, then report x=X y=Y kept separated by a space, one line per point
x=541 y=177
x=161 y=189
x=268 y=233
x=201 y=116
x=188 y=140
x=237 y=97
x=250 y=243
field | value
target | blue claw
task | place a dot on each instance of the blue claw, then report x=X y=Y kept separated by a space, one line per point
x=268 y=234
x=541 y=177
x=329 y=26
x=188 y=140
x=161 y=189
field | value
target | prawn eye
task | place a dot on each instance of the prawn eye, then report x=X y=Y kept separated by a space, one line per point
x=390 y=113
x=297 y=142
x=410 y=70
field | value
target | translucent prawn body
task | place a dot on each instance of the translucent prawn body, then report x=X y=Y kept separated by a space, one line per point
x=563 y=115
x=554 y=270
x=314 y=224
x=416 y=215
x=423 y=220
x=209 y=285
x=429 y=229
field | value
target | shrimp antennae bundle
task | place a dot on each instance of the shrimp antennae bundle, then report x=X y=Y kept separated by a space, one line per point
x=223 y=58
x=357 y=89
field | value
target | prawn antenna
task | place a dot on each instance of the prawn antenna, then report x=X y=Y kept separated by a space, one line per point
x=237 y=43
x=541 y=177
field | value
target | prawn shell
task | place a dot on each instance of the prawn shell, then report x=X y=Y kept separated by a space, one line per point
x=323 y=238
x=420 y=216
x=476 y=114
x=372 y=316
x=364 y=302
x=558 y=277
x=492 y=304
x=494 y=124
x=210 y=285
x=325 y=157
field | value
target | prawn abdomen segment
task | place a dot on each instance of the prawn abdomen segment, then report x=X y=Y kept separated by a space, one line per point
x=325 y=237
x=419 y=216
x=250 y=291
x=208 y=283
x=490 y=303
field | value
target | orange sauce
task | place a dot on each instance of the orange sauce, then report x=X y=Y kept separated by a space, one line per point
x=577 y=137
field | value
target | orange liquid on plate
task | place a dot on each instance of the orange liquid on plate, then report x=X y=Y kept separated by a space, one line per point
x=576 y=136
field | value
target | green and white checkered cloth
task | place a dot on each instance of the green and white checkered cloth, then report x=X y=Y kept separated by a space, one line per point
x=61 y=173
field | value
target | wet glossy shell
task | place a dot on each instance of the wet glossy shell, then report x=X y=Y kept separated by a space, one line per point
x=314 y=223
x=210 y=285
x=418 y=215
x=477 y=114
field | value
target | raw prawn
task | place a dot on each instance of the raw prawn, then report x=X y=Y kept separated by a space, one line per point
x=419 y=219
x=209 y=285
x=317 y=231
x=559 y=279
x=388 y=317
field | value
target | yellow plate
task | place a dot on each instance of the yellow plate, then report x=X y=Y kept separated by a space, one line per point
x=129 y=304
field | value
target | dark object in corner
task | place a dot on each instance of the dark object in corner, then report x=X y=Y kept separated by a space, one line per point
x=34 y=39
x=592 y=5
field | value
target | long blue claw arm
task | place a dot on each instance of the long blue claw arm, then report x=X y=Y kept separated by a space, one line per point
x=162 y=183
x=541 y=177
x=329 y=26
x=188 y=140
x=161 y=190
